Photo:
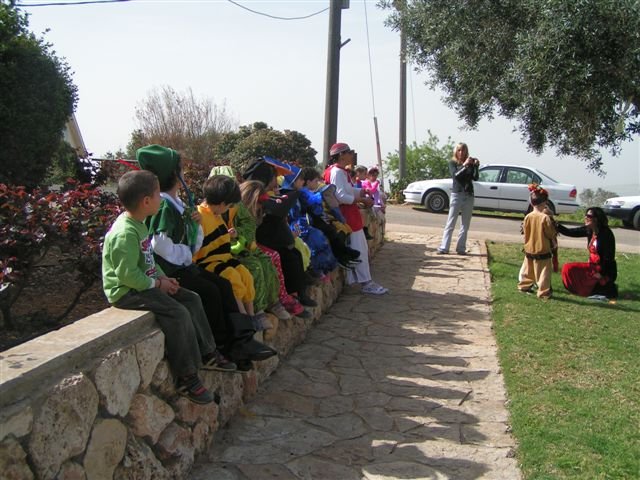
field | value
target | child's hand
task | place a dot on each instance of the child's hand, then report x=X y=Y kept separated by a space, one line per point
x=233 y=233
x=168 y=285
x=196 y=216
x=296 y=230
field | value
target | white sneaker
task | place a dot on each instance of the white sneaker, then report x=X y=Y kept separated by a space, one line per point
x=373 y=288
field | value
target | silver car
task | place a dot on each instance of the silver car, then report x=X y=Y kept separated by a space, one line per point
x=499 y=187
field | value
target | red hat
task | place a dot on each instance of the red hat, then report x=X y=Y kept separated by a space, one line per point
x=338 y=148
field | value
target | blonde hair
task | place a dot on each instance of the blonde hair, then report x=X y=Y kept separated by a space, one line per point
x=250 y=192
x=464 y=148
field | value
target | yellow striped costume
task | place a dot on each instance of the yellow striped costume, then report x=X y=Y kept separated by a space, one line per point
x=215 y=256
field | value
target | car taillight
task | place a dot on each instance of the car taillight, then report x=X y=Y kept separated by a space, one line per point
x=573 y=193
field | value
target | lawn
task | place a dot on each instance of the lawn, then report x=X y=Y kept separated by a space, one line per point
x=572 y=371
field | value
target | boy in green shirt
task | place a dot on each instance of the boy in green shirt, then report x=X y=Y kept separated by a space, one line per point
x=133 y=281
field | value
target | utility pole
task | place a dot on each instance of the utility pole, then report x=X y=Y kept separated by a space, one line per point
x=402 y=121
x=333 y=76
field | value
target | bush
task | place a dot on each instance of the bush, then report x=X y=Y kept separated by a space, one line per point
x=32 y=222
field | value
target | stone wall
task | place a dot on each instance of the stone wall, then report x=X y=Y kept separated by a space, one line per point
x=96 y=399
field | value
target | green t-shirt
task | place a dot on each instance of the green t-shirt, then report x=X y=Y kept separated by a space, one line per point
x=127 y=259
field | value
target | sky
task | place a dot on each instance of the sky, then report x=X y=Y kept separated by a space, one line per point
x=271 y=70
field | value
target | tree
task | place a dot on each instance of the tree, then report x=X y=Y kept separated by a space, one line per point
x=425 y=161
x=567 y=72
x=589 y=198
x=37 y=99
x=252 y=141
x=182 y=122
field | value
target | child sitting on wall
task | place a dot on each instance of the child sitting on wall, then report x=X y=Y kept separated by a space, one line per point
x=220 y=193
x=176 y=234
x=132 y=280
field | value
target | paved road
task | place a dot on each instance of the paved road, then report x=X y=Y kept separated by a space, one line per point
x=405 y=218
x=402 y=386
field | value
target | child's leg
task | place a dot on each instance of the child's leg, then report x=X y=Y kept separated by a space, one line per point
x=526 y=275
x=212 y=301
x=184 y=347
x=543 y=269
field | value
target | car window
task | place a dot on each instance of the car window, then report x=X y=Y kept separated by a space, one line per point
x=489 y=175
x=521 y=177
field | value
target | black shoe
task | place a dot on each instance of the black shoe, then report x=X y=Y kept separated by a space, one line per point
x=310 y=278
x=244 y=365
x=306 y=300
x=258 y=351
x=305 y=314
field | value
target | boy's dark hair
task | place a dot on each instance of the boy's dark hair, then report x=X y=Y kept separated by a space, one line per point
x=220 y=189
x=133 y=186
x=309 y=173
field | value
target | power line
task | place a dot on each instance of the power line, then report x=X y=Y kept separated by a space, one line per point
x=85 y=2
x=274 y=16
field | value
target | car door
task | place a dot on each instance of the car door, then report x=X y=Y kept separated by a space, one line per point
x=514 y=193
x=487 y=188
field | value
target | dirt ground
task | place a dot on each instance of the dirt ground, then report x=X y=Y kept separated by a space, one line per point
x=51 y=290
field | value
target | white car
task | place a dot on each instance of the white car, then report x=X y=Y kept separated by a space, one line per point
x=499 y=187
x=625 y=208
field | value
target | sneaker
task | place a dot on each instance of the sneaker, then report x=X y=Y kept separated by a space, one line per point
x=374 y=289
x=261 y=322
x=279 y=311
x=217 y=361
x=461 y=253
x=292 y=305
x=192 y=388
x=306 y=300
x=441 y=252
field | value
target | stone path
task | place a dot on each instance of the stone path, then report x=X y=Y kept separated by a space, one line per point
x=404 y=386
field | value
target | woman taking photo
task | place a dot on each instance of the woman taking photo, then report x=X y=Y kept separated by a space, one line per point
x=464 y=170
x=598 y=275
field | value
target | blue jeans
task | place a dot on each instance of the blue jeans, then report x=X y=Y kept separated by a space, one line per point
x=461 y=203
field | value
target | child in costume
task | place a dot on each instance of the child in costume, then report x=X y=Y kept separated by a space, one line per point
x=539 y=239
x=323 y=209
x=274 y=233
x=132 y=280
x=373 y=187
x=220 y=193
x=173 y=245
x=322 y=259
x=253 y=194
x=349 y=196
x=242 y=228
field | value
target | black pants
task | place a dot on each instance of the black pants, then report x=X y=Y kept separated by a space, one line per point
x=217 y=299
x=183 y=321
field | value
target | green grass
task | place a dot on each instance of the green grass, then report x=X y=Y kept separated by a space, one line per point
x=572 y=371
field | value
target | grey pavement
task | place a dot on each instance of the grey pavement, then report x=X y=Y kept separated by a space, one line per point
x=402 y=386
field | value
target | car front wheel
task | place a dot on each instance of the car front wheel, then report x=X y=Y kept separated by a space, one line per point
x=436 y=201
x=636 y=220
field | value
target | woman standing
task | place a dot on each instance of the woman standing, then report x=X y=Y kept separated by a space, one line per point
x=598 y=275
x=464 y=170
